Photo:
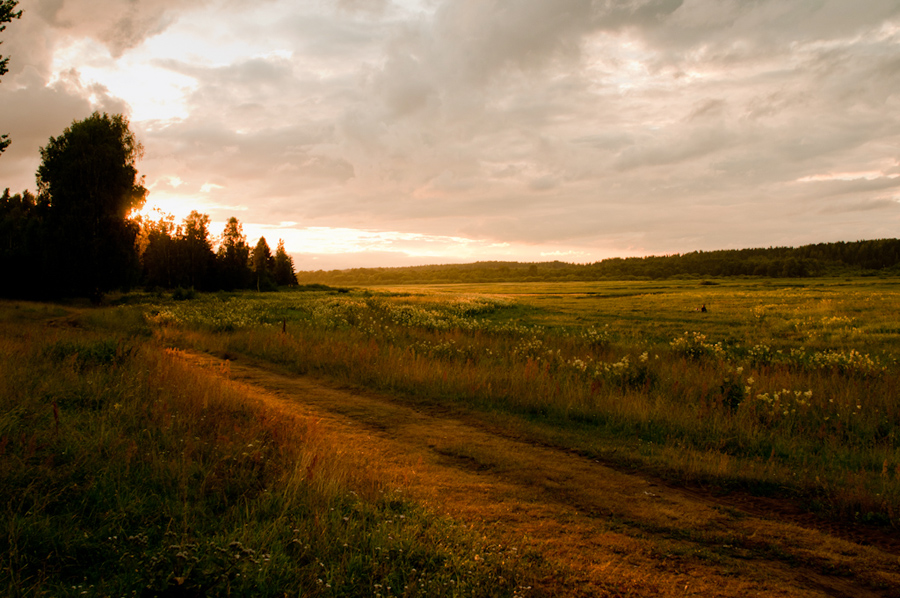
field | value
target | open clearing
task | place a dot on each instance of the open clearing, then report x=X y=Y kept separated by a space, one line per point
x=603 y=532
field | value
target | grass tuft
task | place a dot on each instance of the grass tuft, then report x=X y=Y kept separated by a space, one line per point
x=125 y=472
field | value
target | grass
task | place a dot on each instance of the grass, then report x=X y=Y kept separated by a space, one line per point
x=125 y=472
x=780 y=388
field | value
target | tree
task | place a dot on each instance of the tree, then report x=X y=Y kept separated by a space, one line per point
x=177 y=256
x=7 y=14
x=263 y=266
x=158 y=251
x=23 y=257
x=88 y=178
x=197 y=250
x=234 y=257
x=284 y=267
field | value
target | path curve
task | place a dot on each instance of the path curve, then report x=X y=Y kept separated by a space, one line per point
x=605 y=532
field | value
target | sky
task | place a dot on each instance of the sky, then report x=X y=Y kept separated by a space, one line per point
x=373 y=133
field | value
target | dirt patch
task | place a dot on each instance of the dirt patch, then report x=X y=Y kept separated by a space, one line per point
x=605 y=532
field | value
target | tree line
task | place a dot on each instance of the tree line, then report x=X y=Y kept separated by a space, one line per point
x=182 y=256
x=856 y=258
x=75 y=237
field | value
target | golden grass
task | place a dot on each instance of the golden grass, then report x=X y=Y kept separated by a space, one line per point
x=126 y=470
x=778 y=388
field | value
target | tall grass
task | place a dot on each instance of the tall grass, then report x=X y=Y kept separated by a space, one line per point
x=124 y=472
x=778 y=391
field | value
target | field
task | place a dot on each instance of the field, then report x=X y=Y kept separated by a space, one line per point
x=780 y=390
x=788 y=389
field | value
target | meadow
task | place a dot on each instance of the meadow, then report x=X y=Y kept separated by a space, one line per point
x=784 y=389
x=126 y=472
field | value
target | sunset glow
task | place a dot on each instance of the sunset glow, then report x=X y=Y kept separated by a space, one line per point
x=396 y=133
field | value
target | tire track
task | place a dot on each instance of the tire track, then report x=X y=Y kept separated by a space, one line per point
x=606 y=533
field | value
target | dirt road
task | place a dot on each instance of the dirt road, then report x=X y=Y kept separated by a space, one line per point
x=605 y=532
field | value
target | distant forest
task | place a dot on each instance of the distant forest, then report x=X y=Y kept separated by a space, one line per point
x=859 y=258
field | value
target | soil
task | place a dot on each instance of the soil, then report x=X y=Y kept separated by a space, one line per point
x=602 y=532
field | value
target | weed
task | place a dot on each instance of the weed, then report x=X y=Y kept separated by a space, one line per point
x=126 y=472
x=753 y=394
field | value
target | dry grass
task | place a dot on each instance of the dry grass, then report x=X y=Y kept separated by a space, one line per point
x=126 y=471
x=785 y=390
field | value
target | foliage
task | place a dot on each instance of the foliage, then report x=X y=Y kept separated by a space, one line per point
x=23 y=242
x=7 y=14
x=234 y=257
x=76 y=237
x=177 y=255
x=284 y=267
x=263 y=265
x=832 y=259
x=89 y=181
x=181 y=255
x=197 y=257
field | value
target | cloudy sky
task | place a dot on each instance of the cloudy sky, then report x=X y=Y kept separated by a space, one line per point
x=397 y=132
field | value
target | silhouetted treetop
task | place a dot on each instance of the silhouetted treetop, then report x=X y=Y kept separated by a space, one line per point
x=263 y=266
x=234 y=257
x=89 y=170
x=7 y=14
x=284 y=267
x=88 y=179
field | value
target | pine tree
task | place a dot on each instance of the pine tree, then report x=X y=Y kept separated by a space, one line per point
x=233 y=257
x=284 y=267
x=263 y=266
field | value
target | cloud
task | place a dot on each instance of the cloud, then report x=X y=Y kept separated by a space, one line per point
x=484 y=37
x=44 y=111
x=119 y=24
x=863 y=205
x=650 y=125
x=364 y=6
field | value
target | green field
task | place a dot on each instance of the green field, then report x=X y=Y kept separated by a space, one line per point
x=779 y=388
x=114 y=452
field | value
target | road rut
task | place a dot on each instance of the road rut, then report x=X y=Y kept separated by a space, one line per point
x=603 y=532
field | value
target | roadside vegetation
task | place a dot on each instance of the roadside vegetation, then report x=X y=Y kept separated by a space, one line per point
x=125 y=472
x=777 y=390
